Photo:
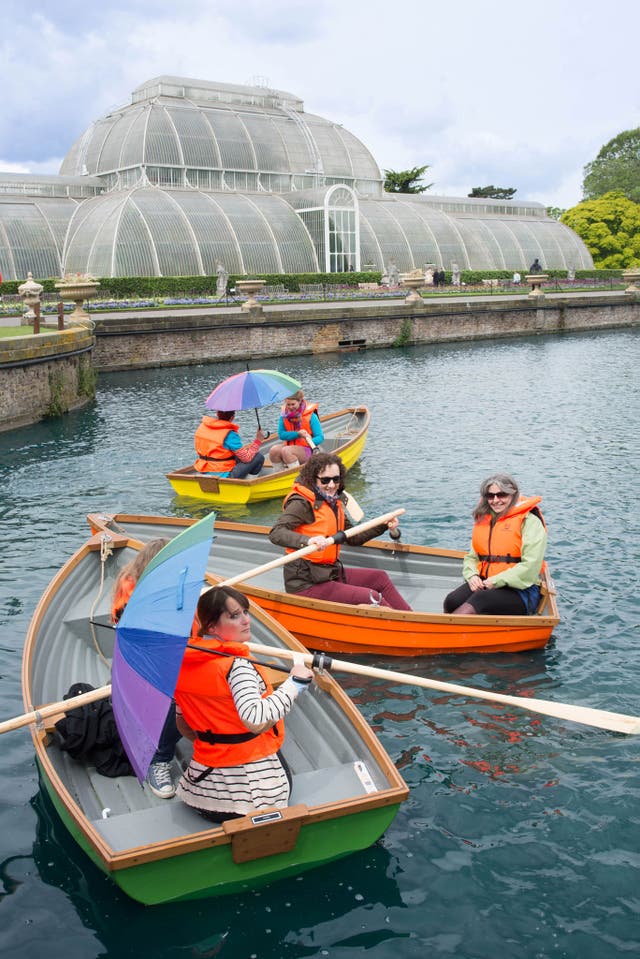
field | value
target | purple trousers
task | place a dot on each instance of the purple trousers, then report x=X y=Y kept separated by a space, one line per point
x=370 y=586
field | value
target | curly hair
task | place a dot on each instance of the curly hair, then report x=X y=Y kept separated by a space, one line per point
x=213 y=604
x=308 y=475
x=505 y=483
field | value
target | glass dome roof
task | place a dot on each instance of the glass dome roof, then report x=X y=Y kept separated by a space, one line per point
x=193 y=125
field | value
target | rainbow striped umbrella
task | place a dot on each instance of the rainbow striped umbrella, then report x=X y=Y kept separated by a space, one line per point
x=151 y=637
x=251 y=389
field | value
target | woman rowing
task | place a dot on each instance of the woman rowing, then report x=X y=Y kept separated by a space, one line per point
x=314 y=514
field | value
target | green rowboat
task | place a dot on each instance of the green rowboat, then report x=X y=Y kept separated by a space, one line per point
x=346 y=791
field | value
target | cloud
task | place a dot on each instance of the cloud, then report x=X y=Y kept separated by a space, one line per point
x=498 y=94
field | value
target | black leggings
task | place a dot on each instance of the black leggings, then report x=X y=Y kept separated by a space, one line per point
x=503 y=601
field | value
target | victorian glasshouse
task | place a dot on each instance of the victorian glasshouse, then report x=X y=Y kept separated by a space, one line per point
x=193 y=174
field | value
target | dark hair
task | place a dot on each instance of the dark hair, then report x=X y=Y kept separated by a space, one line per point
x=505 y=483
x=226 y=414
x=308 y=475
x=213 y=604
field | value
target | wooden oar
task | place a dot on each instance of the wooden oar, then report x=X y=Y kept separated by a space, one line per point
x=65 y=705
x=601 y=718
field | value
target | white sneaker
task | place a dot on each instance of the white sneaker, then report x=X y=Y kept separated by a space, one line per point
x=159 y=780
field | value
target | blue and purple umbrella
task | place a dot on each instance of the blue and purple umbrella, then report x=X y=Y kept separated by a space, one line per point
x=251 y=389
x=151 y=637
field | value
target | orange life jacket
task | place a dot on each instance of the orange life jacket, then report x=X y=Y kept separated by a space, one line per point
x=204 y=697
x=305 y=424
x=208 y=441
x=121 y=597
x=325 y=523
x=498 y=544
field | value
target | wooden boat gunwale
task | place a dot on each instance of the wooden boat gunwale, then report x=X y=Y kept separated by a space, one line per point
x=208 y=837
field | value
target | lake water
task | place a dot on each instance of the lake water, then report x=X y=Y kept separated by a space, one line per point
x=520 y=837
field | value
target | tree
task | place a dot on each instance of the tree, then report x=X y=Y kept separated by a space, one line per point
x=617 y=167
x=496 y=192
x=406 y=181
x=610 y=228
x=556 y=212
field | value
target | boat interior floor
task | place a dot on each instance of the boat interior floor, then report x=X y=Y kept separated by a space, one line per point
x=171 y=818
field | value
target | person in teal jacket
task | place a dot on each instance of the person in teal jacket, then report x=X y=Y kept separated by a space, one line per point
x=300 y=431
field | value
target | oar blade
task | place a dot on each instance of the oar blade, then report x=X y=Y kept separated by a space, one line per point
x=586 y=715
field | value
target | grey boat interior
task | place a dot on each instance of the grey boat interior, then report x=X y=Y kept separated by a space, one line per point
x=424 y=579
x=328 y=758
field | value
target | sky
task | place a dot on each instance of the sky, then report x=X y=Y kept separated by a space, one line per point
x=515 y=95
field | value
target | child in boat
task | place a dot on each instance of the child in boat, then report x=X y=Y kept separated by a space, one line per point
x=502 y=568
x=313 y=512
x=227 y=706
x=300 y=431
x=159 y=774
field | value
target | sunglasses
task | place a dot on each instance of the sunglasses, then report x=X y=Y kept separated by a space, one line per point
x=497 y=495
x=325 y=480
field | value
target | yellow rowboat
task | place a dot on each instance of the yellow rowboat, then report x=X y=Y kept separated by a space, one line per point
x=345 y=433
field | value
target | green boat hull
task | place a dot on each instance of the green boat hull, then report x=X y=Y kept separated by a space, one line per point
x=212 y=872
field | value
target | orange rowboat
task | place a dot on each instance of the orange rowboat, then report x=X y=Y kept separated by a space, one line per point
x=423 y=574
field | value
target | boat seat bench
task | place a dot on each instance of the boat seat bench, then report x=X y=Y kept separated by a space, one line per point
x=171 y=818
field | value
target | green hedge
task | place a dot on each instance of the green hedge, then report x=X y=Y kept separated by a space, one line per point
x=136 y=286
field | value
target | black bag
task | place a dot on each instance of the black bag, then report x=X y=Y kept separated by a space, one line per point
x=89 y=734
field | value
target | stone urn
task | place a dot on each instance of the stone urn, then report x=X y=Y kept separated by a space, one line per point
x=535 y=281
x=413 y=284
x=78 y=289
x=249 y=288
x=30 y=291
x=631 y=277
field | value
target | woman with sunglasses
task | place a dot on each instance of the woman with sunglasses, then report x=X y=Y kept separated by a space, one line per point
x=227 y=706
x=502 y=568
x=314 y=512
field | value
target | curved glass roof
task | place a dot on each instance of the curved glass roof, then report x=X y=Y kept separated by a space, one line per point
x=32 y=233
x=414 y=230
x=149 y=232
x=192 y=125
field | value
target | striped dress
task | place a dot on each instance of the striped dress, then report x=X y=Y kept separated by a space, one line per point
x=237 y=790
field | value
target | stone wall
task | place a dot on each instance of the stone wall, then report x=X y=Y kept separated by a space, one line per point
x=44 y=375
x=180 y=338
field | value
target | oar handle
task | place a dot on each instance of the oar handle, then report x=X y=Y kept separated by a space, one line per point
x=297 y=554
x=52 y=709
